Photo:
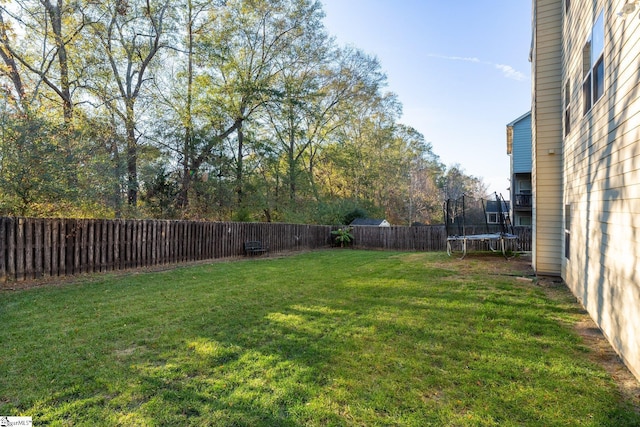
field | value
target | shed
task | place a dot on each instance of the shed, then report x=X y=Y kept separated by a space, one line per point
x=370 y=222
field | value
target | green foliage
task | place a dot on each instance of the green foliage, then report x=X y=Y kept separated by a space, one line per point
x=355 y=213
x=159 y=192
x=454 y=183
x=360 y=338
x=343 y=235
x=40 y=173
x=242 y=215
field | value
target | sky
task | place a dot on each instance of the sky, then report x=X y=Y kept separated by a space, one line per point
x=459 y=68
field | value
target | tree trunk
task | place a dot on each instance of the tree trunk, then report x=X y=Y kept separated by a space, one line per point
x=55 y=16
x=187 y=167
x=292 y=164
x=12 y=67
x=117 y=195
x=132 y=157
x=239 y=165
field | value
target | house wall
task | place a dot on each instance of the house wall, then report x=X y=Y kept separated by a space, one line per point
x=546 y=130
x=601 y=172
x=522 y=145
x=519 y=138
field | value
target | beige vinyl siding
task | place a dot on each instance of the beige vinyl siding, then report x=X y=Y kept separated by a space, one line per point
x=547 y=135
x=601 y=174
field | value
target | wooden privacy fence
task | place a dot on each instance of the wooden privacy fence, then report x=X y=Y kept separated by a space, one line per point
x=426 y=238
x=35 y=248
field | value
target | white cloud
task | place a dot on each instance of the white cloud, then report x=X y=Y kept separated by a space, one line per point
x=507 y=70
x=456 y=58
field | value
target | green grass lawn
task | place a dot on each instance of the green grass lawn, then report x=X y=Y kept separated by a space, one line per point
x=337 y=337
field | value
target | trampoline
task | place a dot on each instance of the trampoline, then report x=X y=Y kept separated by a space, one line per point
x=478 y=220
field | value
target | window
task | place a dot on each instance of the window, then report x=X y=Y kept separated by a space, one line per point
x=586 y=93
x=567 y=231
x=524 y=186
x=598 y=79
x=593 y=66
x=492 y=218
x=567 y=108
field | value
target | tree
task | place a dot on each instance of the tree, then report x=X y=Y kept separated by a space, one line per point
x=130 y=35
x=51 y=29
x=320 y=85
x=60 y=40
x=241 y=109
x=304 y=106
x=455 y=183
x=17 y=95
x=195 y=21
x=247 y=50
x=425 y=202
x=32 y=168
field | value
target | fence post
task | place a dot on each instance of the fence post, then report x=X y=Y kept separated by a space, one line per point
x=3 y=250
x=38 y=242
x=20 y=250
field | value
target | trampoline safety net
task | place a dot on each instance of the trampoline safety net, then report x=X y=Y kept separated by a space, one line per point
x=478 y=219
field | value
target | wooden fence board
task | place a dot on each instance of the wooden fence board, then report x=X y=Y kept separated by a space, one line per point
x=28 y=250
x=38 y=247
x=3 y=249
x=11 y=248
x=51 y=248
x=77 y=246
x=61 y=250
x=102 y=233
x=20 y=249
x=83 y=237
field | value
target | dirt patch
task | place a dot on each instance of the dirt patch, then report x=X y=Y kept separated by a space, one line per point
x=493 y=263
x=603 y=354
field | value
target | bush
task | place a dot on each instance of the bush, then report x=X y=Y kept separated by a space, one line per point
x=343 y=236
